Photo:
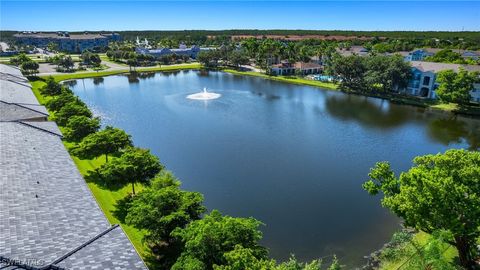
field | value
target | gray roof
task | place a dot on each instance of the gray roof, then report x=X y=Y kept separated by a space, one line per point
x=46 y=207
x=15 y=92
x=49 y=217
x=437 y=67
x=6 y=69
x=16 y=112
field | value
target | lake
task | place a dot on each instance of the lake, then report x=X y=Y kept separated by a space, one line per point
x=292 y=156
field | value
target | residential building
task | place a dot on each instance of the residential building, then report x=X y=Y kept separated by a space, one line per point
x=191 y=52
x=424 y=84
x=421 y=54
x=418 y=55
x=285 y=68
x=353 y=50
x=67 y=42
x=50 y=219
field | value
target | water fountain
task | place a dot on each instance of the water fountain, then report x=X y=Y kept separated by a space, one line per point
x=204 y=95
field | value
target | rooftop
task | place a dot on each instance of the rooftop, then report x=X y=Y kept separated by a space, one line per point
x=437 y=67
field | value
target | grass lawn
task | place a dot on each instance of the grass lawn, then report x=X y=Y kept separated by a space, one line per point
x=91 y=74
x=289 y=79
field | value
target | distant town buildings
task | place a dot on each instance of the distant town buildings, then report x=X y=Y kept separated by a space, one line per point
x=192 y=52
x=421 y=54
x=67 y=42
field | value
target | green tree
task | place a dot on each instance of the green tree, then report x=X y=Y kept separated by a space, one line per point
x=90 y=59
x=387 y=73
x=104 y=142
x=161 y=208
x=79 y=126
x=207 y=240
x=238 y=58
x=19 y=59
x=440 y=192
x=335 y=264
x=64 y=62
x=446 y=56
x=208 y=58
x=29 y=67
x=456 y=87
x=51 y=87
x=57 y=102
x=132 y=62
x=52 y=47
x=135 y=165
x=69 y=110
x=351 y=71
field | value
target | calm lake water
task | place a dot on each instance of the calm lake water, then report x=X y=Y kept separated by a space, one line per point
x=291 y=156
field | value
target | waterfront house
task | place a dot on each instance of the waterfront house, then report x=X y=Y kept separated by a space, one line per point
x=423 y=82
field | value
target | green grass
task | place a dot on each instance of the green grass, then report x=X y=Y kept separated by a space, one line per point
x=288 y=79
x=91 y=74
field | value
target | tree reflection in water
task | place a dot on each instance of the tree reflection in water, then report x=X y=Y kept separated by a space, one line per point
x=442 y=127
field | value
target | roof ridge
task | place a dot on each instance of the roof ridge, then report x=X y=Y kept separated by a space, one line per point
x=52 y=265
x=23 y=122
x=88 y=242
x=24 y=105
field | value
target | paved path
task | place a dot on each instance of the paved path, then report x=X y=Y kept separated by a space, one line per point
x=46 y=69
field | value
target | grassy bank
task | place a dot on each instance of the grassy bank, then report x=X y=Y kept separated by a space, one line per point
x=105 y=198
x=102 y=73
x=288 y=79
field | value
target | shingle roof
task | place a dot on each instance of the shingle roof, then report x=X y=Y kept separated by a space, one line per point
x=15 y=112
x=15 y=92
x=437 y=67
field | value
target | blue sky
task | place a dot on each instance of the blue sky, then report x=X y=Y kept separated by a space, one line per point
x=214 y=15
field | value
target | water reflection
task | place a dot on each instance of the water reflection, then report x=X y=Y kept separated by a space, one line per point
x=98 y=80
x=371 y=112
x=70 y=83
x=455 y=130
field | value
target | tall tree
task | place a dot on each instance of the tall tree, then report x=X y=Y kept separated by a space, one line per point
x=51 y=87
x=135 y=165
x=456 y=87
x=160 y=209
x=440 y=192
x=29 y=67
x=207 y=240
x=79 y=126
x=69 y=110
x=104 y=142
x=351 y=72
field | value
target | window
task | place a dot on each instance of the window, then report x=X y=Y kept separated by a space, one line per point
x=426 y=80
